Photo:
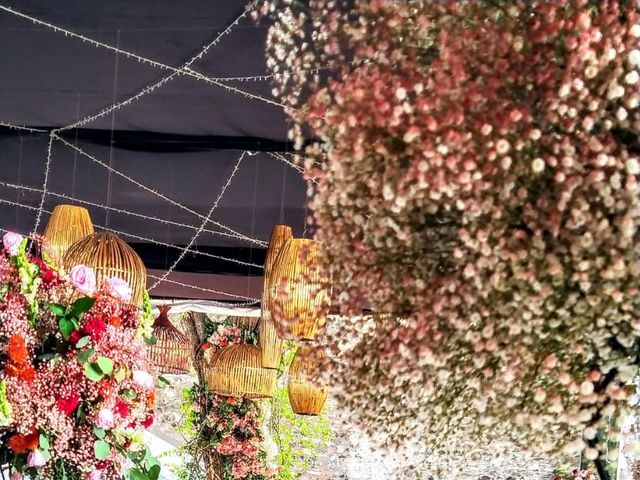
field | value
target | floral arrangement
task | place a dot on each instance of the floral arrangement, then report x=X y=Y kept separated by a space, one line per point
x=476 y=181
x=231 y=426
x=75 y=392
x=574 y=474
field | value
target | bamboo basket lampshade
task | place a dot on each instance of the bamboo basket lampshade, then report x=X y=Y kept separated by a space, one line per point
x=299 y=294
x=307 y=396
x=245 y=323
x=270 y=342
x=110 y=256
x=236 y=371
x=67 y=225
x=172 y=351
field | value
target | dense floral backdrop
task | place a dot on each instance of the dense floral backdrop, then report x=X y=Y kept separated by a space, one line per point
x=476 y=182
x=229 y=429
x=75 y=393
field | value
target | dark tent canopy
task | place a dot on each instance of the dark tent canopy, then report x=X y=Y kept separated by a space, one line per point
x=191 y=141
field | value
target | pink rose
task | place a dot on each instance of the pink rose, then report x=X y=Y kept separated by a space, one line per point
x=36 y=459
x=16 y=476
x=83 y=278
x=105 y=419
x=11 y=242
x=119 y=288
x=142 y=379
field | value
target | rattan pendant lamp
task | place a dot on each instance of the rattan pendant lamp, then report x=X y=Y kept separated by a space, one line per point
x=67 y=225
x=270 y=342
x=299 y=297
x=306 y=395
x=236 y=371
x=110 y=256
x=172 y=352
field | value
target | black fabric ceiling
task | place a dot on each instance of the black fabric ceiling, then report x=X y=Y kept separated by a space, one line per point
x=182 y=140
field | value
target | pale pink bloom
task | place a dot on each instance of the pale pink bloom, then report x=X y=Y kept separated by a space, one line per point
x=119 y=288
x=83 y=278
x=142 y=379
x=11 y=242
x=16 y=476
x=36 y=459
x=95 y=475
x=105 y=419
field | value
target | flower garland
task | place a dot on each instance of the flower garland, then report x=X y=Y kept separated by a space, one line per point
x=232 y=426
x=75 y=392
x=477 y=181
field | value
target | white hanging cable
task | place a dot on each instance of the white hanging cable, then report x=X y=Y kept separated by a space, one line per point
x=183 y=71
x=114 y=209
x=162 y=81
x=160 y=195
x=252 y=301
x=21 y=127
x=199 y=231
x=186 y=285
x=47 y=168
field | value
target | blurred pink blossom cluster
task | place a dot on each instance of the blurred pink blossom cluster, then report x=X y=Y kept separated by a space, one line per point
x=476 y=183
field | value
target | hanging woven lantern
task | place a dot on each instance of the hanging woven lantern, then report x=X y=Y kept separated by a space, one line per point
x=236 y=371
x=299 y=294
x=307 y=396
x=270 y=342
x=172 y=352
x=245 y=323
x=110 y=257
x=67 y=225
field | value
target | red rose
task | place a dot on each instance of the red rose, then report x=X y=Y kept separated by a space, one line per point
x=68 y=404
x=75 y=336
x=122 y=408
x=95 y=327
x=148 y=421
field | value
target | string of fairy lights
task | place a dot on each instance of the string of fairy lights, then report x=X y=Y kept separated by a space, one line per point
x=206 y=221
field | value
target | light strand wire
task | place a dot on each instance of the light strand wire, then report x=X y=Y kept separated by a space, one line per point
x=150 y=88
x=199 y=231
x=186 y=285
x=158 y=194
x=184 y=71
x=113 y=209
x=47 y=169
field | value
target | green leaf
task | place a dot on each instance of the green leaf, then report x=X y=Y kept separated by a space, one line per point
x=121 y=373
x=136 y=474
x=57 y=309
x=129 y=394
x=83 y=342
x=101 y=449
x=150 y=340
x=106 y=365
x=66 y=327
x=99 y=432
x=85 y=355
x=4 y=289
x=154 y=472
x=81 y=306
x=92 y=372
x=80 y=413
x=43 y=443
x=163 y=380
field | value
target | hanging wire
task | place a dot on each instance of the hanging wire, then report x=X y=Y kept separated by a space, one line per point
x=201 y=228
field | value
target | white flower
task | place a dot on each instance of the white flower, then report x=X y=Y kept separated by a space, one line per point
x=634 y=58
x=564 y=91
x=621 y=114
x=591 y=71
x=401 y=94
x=586 y=388
x=633 y=167
x=537 y=165
x=635 y=30
x=632 y=77
x=502 y=146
